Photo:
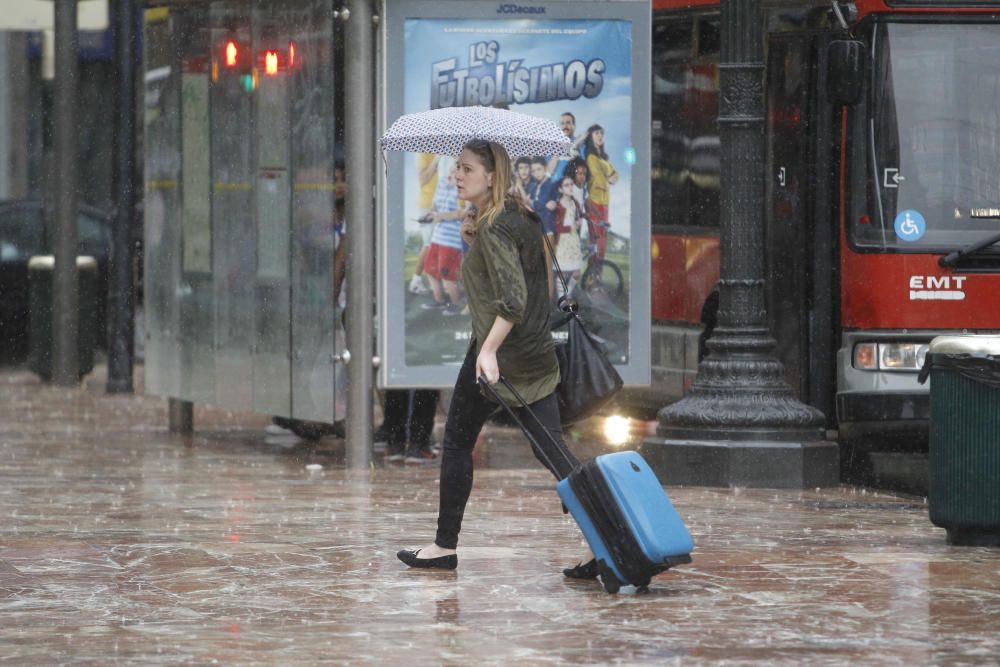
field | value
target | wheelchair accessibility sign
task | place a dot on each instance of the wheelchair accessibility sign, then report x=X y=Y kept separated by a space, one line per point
x=910 y=225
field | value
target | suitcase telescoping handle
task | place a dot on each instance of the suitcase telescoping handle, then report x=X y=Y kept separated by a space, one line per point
x=570 y=462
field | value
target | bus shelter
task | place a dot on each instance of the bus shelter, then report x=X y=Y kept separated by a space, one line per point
x=242 y=213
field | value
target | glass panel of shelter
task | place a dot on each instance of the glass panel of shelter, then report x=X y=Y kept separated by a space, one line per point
x=317 y=329
x=233 y=204
x=162 y=206
x=271 y=202
x=240 y=208
x=194 y=295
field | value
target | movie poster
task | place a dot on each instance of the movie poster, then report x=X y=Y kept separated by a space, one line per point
x=576 y=73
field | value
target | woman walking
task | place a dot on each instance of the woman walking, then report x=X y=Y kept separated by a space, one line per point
x=506 y=285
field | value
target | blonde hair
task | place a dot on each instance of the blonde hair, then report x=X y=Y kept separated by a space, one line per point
x=495 y=161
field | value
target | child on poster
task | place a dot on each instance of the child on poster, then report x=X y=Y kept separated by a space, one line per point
x=568 y=220
x=443 y=265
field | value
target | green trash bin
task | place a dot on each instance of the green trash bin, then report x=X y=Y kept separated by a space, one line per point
x=40 y=299
x=964 y=446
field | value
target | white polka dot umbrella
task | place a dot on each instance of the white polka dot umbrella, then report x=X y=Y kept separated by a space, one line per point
x=445 y=131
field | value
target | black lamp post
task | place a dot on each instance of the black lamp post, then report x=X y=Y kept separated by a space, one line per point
x=65 y=288
x=741 y=424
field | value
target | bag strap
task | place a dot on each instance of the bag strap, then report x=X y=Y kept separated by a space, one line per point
x=566 y=304
x=568 y=457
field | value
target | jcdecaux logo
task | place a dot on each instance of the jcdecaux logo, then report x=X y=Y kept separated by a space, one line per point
x=519 y=9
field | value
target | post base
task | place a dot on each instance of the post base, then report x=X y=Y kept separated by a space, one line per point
x=744 y=463
x=180 y=415
x=122 y=386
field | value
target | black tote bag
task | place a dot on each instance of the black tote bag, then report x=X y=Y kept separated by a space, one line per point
x=587 y=379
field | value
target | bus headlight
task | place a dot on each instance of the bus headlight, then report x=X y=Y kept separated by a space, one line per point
x=907 y=357
x=866 y=356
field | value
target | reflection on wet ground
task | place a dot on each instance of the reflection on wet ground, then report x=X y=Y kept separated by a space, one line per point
x=122 y=544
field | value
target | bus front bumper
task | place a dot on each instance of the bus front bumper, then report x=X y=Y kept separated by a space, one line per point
x=900 y=418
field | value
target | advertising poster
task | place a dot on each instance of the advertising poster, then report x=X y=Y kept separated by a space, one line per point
x=576 y=72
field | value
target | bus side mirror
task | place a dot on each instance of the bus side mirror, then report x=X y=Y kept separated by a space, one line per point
x=846 y=74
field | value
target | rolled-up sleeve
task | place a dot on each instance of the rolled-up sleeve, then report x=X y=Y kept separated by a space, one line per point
x=503 y=264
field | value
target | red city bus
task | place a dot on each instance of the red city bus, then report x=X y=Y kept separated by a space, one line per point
x=868 y=203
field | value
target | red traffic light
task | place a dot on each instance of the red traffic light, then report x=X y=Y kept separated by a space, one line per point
x=271 y=63
x=232 y=54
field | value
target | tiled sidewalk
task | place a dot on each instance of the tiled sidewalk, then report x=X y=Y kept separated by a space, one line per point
x=123 y=544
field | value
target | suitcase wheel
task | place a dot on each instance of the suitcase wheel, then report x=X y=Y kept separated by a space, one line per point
x=608 y=578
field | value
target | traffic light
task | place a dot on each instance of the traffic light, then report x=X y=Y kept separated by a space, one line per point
x=236 y=57
x=249 y=81
x=270 y=63
x=232 y=54
x=273 y=61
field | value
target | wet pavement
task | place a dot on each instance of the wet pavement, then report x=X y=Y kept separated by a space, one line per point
x=124 y=544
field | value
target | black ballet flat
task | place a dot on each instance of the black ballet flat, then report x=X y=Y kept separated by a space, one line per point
x=586 y=570
x=449 y=562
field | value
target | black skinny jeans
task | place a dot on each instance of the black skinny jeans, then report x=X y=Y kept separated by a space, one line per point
x=467 y=414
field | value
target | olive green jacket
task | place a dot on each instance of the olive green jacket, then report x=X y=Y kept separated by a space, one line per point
x=505 y=275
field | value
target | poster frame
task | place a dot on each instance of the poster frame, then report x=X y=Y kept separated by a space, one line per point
x=392 y=369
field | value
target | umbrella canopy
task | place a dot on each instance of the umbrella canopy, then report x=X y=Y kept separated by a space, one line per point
x=445 y=131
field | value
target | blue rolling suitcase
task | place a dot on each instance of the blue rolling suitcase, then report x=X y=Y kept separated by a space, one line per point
x=632 y=528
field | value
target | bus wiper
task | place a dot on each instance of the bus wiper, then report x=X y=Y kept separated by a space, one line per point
x=953 y=258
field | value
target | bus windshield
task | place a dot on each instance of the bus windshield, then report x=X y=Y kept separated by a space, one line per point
x=934 y=135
